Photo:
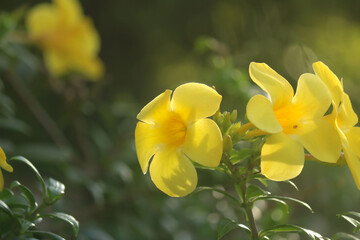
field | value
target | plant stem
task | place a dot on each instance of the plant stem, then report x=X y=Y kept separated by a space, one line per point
x=249 y=213
x=240 y=186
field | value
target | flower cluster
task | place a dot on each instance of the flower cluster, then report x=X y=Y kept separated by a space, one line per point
x=68 y=38
x=297 y=122
x=173 y=128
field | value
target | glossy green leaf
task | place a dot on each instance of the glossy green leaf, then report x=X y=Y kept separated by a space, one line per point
x=25 y=225
x=292 y=184
x=66 y=218
x=6 y=194
x=46 y=235
x=199 y=189
x=284 y=199
x=226 y=225
x=5 y=208
x=237 y=156
x=26 y=193
x=55 y=190
x=343 y=236
x=253 y=191
x=290 y=228
x=39 y=177
x=351 y=220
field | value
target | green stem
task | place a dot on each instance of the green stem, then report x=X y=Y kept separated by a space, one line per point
x=240 y=186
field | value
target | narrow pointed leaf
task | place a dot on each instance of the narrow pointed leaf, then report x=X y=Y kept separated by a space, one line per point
x=26 y=193
x=255 y=191
x=351 y=220
x=284 y=199
x=199 y=189
x=66 y=218
x=46 y=235
x=343 y=236
x=290 y=228
x=226 y=225
x=39 y=177
x=25 y=225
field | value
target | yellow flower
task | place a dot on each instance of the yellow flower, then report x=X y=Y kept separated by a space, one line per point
x=294 y=122
x=343 y=118
x=174 y=131
x=4 y=165
x=68 y=38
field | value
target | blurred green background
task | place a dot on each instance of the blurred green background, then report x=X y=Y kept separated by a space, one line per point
x=150 y=46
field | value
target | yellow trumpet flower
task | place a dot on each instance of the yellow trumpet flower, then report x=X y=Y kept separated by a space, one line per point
x=343 y=118
x=5 y=166
x=174 y=130
x=293 y=122
x=69 y=39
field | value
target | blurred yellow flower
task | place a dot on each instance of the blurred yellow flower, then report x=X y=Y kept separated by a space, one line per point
x=343 y=118
x=174 y=130
x=294 y=122
x=4 y=165
x=69 y=39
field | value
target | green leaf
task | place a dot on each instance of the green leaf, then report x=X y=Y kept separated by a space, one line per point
x=289 y=228
x=343 y=236
x=351 y=220
x=66 y=218
x=27 y=162
x=226 y=225
x=253 y=191
x=6 y=209
x=6 y=194
x=284 y=199
x=26 y=193
x=55 y=190
x=283 y=203
x=237 y=156
x=46 y=235
x=199 y=189
x=292 y=184
x=25 y=225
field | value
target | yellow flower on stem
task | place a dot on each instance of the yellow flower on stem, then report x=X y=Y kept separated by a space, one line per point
x=5 y=166
x=69 y=39
x=343 y=118
x=293 y=122
x=174 y=130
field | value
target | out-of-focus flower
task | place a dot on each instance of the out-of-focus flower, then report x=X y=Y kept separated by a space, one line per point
x=343 y=118
x=68 y=39
x=293 y=122
x=174 y=130
x=5 y=166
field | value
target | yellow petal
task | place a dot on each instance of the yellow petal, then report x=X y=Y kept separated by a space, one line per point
x=346 y=118
x=3 y=163
x=331 y=81
x=312 y=97
x=354 y=164
x=1 y=181
x=155 y=109
x=353 y=138
x=260 y=112
x=271 y=82
x=203 y=143
x=282 y=158
x=321 y=139
x=146 y=140
x=35 y=22
x=69 y=11
x=193 y=101
x=173 y=173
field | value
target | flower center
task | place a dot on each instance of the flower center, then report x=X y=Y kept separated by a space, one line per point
x=172 y=130
x=289 y=117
